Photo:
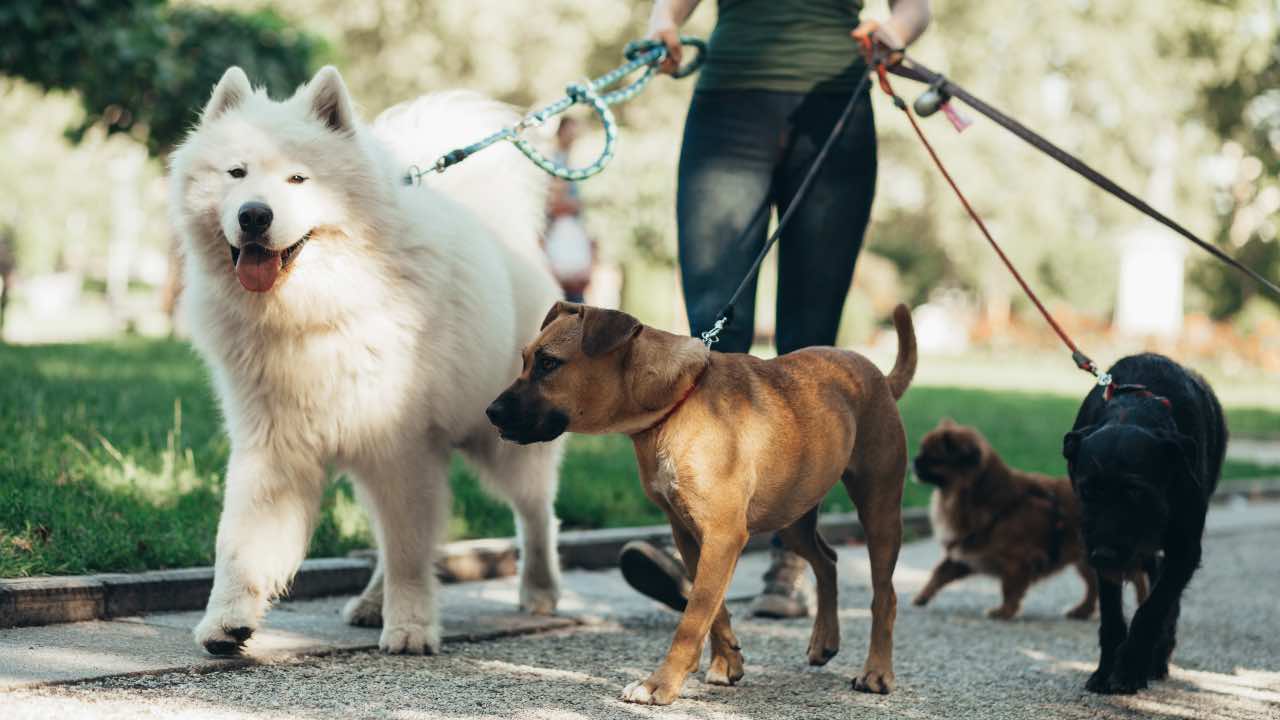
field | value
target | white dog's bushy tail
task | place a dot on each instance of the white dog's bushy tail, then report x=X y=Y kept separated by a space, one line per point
x=498 y=178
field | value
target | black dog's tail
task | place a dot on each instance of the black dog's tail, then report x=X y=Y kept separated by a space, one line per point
x=904 y=367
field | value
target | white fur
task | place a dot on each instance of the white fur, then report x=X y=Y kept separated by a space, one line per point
x=377 y=352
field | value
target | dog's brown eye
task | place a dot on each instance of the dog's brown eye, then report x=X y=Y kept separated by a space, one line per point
x=296 y=179
x=547 y=364
x=237 y=172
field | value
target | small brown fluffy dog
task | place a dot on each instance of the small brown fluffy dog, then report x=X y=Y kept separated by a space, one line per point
x=991 y=519
x=729 y=445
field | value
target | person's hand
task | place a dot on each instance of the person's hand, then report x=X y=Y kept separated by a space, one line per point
x=885 y=41
x=664 y=30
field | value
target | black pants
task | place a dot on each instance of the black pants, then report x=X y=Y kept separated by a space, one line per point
x=743 y=148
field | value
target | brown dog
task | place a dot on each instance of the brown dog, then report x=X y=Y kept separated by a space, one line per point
x=730 y=445
x=991 y=519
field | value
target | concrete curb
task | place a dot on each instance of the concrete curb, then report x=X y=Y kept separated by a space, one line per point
x=470 y=560
x=63 y=599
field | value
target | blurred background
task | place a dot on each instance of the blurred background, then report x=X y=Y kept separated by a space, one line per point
x=1177 y=100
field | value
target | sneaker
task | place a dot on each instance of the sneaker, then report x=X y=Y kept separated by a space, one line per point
x=655 y=573
x=786 y=586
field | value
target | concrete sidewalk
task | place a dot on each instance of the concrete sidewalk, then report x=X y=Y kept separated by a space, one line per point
x=158 y=642
x=951 y=661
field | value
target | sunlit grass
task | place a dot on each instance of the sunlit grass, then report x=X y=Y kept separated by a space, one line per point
x=112 y=455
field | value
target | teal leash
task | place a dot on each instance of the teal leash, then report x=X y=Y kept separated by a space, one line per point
x=640 y=54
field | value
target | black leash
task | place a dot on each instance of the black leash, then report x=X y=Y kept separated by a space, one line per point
x=940 y=91
x=942 y=88
x=725 y=316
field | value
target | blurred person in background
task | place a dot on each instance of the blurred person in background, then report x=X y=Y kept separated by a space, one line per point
x=778 y=74
x=569 y=248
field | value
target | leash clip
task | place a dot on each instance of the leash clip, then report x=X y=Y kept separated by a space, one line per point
x=712 y=336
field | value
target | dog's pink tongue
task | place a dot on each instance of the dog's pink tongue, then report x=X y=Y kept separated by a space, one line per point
x=257 y=268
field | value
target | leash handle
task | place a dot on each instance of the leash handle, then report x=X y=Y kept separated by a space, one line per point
x=636 y=48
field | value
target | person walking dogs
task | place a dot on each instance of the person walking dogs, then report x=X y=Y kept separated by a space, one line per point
x=777 y=76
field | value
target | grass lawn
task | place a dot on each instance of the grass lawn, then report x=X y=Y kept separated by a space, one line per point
x=111 y=457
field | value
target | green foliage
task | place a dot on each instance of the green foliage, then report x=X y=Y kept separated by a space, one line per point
x=144 y=68
x=1243 y=109
x=111 y=458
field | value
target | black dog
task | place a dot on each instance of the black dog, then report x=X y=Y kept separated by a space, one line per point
x=1144 y=458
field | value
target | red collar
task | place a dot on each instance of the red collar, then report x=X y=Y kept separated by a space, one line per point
x=1139 y=390
x=672 y=410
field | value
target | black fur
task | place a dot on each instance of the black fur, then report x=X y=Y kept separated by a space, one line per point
x=1144 y=470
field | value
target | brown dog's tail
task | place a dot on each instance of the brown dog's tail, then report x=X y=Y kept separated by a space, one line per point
x=904 y=367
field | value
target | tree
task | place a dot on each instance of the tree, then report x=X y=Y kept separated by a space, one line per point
x=1243 y=110
x=142 y=67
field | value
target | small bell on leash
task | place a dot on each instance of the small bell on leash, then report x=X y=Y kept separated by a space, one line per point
x=931 y=100
x=937 y=98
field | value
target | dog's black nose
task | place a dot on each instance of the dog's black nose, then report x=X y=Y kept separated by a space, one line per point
x=1104 y=557
x=255 y=217
x=497 y=410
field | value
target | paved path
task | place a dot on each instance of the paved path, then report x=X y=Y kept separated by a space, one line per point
x=952 y=662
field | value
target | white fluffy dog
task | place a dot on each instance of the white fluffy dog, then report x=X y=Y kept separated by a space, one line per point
x=352 y=321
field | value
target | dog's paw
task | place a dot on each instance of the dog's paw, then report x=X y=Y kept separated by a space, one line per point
x=410 y=639
x=1114 y=683
x=920 y=600
x=1097 y=682
x=874 y=681
x=219 y=640
x=363 y=612
x=650 y=692
x=537 y=600
x=1159 y=670
x=1080 y=612
x=1002 y=613
x=725 y=669
x=821 y=650
x=224 y=629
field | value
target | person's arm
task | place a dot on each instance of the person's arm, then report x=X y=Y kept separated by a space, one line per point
x=907 y=21
x=664 y=26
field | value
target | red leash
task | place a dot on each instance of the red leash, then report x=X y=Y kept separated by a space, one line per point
x=1081 y=360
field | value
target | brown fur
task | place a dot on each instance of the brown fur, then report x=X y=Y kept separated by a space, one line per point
x=754 y=447
x=994 y=520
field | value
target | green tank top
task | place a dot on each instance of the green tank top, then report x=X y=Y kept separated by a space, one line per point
x=787 y=45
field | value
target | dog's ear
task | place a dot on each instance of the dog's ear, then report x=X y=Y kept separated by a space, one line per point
x=330 y=101
x=662 y=365
x=604 y=331
x=560 y=308
x=1071 y=442
x=1181 y=453
x=230 y=91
